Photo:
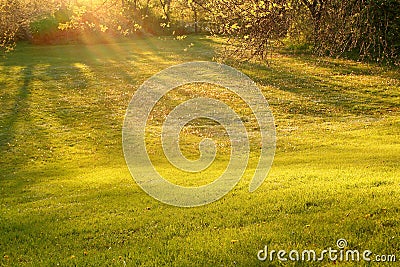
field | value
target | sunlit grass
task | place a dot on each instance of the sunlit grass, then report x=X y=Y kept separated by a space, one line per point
x=68 y=198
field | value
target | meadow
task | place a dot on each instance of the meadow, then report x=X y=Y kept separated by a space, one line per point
x=68 y=198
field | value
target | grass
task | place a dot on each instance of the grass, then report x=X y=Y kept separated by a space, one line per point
x=67 y=197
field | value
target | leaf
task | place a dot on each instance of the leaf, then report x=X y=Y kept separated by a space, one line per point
x=235 y=26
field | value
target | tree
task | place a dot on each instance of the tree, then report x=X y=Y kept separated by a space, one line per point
x=252 y=27
x=366 y=28
x=10 y=22
x=15 y=19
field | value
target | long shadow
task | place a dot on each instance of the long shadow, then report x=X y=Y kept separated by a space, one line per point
x=342 y=67
x=75 y=101
x=326 y=98
x=333 y=99
x=120 y=70
x=7 y=131
x=26 y=132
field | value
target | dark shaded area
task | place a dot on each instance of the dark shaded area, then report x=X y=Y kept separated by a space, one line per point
x=20 y=108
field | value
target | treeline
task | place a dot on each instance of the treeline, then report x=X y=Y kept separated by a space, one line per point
x=60 y=21
x=363 y=29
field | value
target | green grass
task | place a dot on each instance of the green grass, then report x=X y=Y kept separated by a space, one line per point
x=68 y=198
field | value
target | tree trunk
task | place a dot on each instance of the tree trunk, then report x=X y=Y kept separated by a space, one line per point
x=195 y=20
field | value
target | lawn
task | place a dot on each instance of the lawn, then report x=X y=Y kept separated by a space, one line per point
x=68 y=198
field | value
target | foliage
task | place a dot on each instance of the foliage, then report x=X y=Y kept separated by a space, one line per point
x=46 y=28
x=63 y=21
x=44 y=25
x=188 y=17
x=381 y=38
x=17 y=16
x=365 y=28
x=251 y=26
x=11 y=19
x=98 y=20
x=368 y=27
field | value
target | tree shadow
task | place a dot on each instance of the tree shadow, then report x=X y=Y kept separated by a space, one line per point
x=19 y=108
x=325 y=94
x=25 y=131
x=346 y=66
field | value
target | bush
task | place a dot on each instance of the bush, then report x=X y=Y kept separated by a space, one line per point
x=46 y=29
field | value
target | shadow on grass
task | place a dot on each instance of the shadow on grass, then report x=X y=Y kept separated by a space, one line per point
x=74 y=97
x=343 y=66
x=321 y=93
x=86 y=89
x=25 y=132
x=19 y=105
x=19 y=109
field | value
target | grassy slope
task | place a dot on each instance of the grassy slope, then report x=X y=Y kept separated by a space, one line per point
x=67 y=196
